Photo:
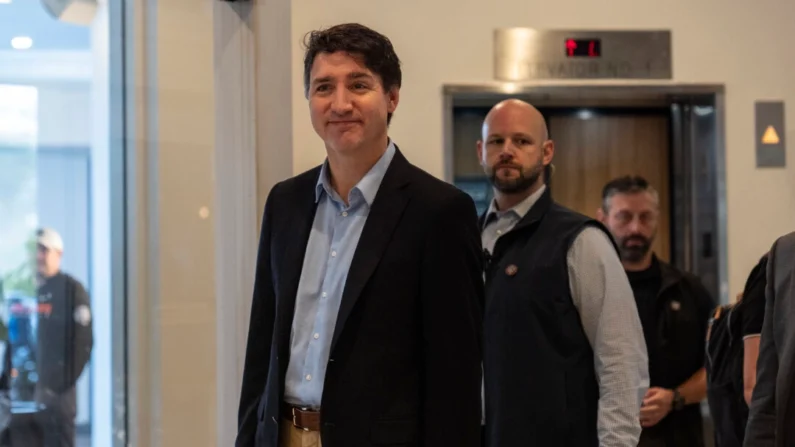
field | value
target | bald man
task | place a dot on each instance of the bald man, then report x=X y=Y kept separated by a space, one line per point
x=565 y=361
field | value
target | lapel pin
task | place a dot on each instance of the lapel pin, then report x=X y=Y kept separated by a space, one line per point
x=676 y=305
x=511 y=270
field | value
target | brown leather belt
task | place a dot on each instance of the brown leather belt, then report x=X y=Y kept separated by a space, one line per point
x=302 y=418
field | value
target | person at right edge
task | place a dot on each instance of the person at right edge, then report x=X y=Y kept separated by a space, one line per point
x=564 y=359
x=674 y=309
x=732 y=353
x=772 y=413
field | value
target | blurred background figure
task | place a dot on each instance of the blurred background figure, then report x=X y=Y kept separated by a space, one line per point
x=50 y=341
x=674 y=310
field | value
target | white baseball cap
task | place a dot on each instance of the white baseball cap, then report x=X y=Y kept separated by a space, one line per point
x=49 y=238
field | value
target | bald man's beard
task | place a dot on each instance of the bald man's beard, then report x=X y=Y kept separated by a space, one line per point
x=526 y=179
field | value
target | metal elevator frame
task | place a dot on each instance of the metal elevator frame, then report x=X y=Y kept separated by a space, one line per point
x=698 y=170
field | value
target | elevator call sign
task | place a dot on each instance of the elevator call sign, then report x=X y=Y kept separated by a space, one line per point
x=523 y=54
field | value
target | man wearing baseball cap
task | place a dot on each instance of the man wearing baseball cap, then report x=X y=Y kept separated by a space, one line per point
x=64 y=341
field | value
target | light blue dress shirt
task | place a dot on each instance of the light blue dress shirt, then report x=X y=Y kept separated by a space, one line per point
x=332 y=242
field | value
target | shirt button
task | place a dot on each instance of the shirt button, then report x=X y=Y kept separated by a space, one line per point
x=333 y=254
x=317 y=336
x=344 y=214
x=309 y=377
x=324 y=294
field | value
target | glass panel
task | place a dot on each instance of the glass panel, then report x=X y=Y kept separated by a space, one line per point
x=57 y=349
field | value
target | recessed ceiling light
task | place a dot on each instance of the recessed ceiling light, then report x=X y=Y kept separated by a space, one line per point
x=21 y=43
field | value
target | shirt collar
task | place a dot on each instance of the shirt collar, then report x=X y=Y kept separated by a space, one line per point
x=367 y=186
x=520 y=209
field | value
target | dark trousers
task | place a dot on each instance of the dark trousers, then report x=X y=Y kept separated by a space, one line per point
x=57 y=429
x=47 y=428
x=52 y=425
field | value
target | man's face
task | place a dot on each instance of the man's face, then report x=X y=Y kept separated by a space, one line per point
x=632 y=219
x=514 y=149
x=48 y=261
x=347 y=102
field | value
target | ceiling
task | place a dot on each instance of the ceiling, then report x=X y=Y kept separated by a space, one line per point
x=28 y=18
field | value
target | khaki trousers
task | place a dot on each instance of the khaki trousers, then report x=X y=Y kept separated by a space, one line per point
x=291 y=436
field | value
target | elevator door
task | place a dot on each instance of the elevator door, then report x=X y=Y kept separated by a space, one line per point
x=592 y=148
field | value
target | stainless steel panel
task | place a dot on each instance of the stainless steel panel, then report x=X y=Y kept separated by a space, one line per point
x=603 y=90
x=722 y=212
x=522 y=54
x=703 y=158
x=698 y=236
x=681 y=233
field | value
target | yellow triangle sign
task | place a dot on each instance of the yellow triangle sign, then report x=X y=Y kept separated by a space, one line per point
x=770 y=136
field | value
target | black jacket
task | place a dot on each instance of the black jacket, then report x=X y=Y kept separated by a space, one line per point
x=64 y=333
x=770 y=422
x=676 y=351
x=405 y=366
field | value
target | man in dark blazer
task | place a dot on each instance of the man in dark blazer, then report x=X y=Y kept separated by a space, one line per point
x=367 y=310
x=772 y=412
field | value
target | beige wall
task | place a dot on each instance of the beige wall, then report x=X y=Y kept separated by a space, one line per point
x=208 y=102
x=739 y=44
x=172 y=299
